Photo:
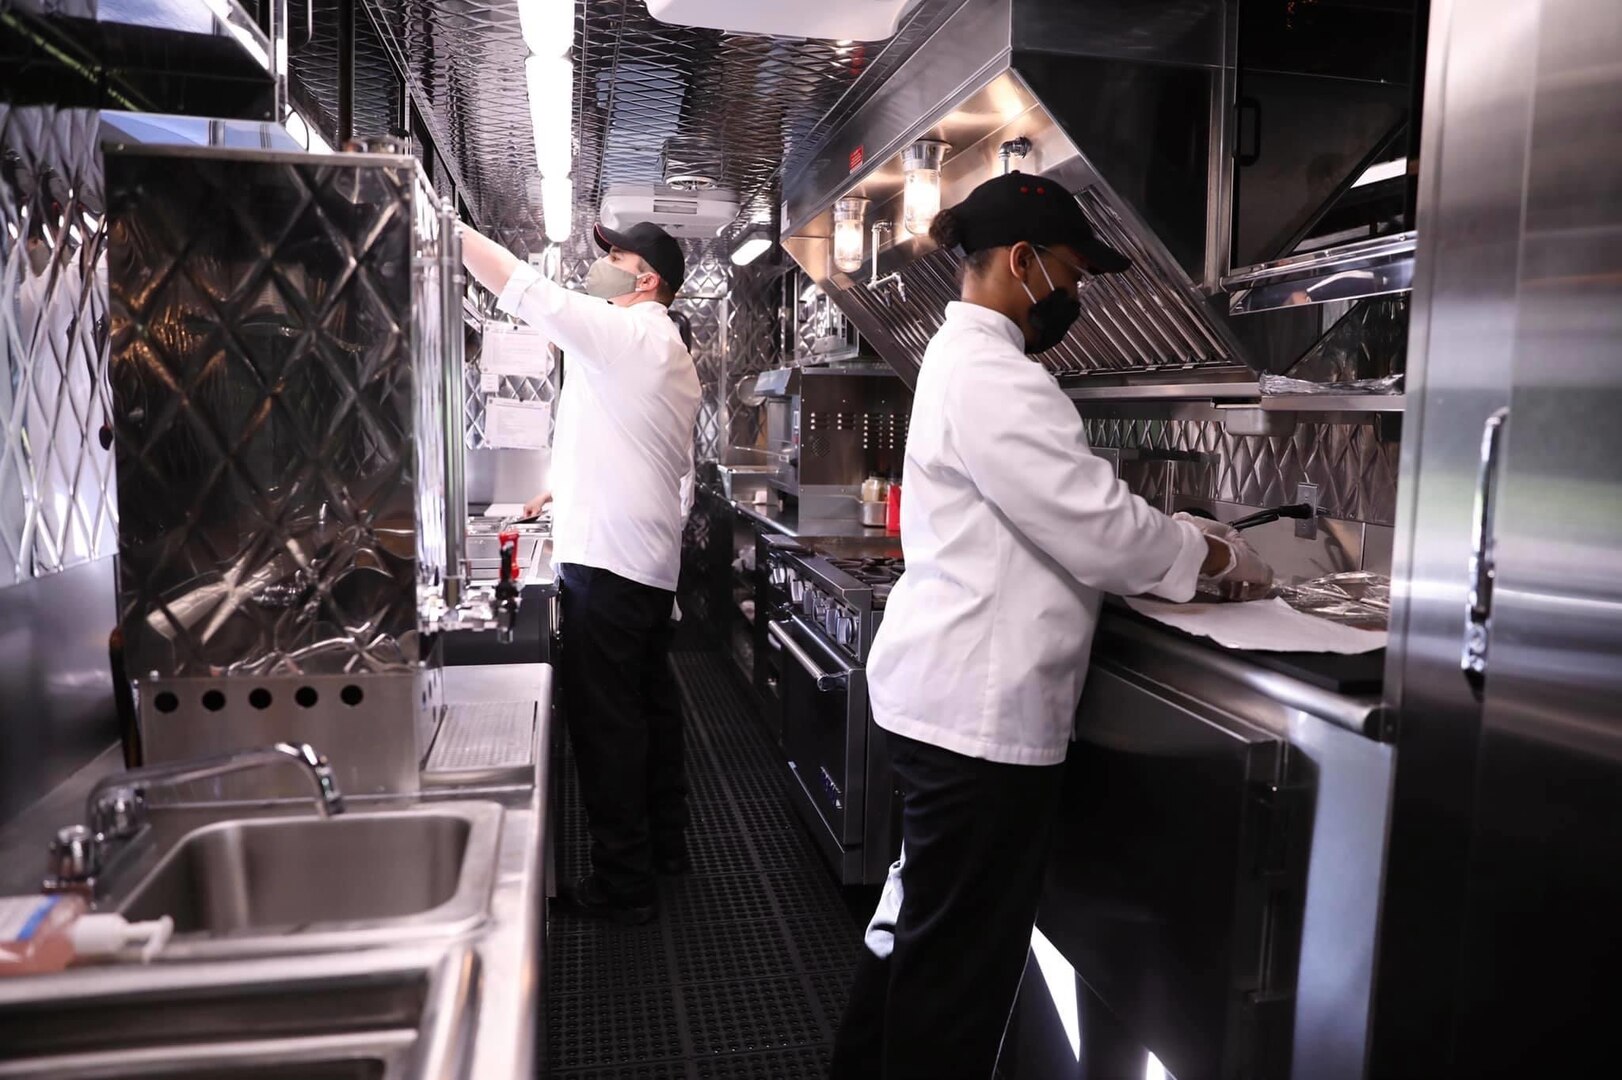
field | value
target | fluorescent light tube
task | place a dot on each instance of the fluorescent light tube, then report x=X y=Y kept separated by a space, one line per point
x=1385 y=170
x=750 y=250
x=548 y=25
x=557 y=207
x=551 y=112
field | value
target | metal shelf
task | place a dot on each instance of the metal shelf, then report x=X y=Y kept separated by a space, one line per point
x=1336 y=403
x=180 y=58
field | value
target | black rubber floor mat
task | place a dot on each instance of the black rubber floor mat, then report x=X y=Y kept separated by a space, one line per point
x=745 y=971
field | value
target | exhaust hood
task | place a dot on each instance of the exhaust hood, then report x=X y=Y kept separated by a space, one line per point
x=1130 y=105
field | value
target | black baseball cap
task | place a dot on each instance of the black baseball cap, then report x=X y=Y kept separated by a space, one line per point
x=658 y=249
x=1036 y=209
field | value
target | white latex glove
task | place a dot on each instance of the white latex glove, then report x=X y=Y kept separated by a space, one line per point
x=1246 y=577
x=1221 y=530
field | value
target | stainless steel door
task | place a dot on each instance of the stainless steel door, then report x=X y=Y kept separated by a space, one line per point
x=1460 y=358
x=1501 y=890
x=1544 y=886
x=824 y=727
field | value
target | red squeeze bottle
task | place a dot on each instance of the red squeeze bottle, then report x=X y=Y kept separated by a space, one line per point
x=892 y=507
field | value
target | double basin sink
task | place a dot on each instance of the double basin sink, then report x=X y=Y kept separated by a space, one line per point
x=304 y=947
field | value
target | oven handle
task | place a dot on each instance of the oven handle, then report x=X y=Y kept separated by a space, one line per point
x=825 y=680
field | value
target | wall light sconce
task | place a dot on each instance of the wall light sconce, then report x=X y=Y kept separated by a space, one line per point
x=850 y=214
x=921 y=195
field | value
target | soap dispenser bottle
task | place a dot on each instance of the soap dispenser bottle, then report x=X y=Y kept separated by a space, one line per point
x=40 y=934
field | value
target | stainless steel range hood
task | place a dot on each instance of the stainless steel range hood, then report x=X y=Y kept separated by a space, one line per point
x=1128 y=103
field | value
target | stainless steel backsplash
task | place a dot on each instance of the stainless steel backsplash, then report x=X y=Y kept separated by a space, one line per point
x=1353 y=465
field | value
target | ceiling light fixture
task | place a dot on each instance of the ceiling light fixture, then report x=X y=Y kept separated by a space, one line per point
x=921 y=195
x=557 y=206
x=849 y=215
x=548 y=28
x=551 y=104
x=755 y=242
x=548 y=25
x=1385 y=170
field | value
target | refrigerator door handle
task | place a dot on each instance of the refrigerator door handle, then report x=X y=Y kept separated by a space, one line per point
x=1483 y=570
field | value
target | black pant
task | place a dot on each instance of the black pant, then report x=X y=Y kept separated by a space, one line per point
x=975 y=840
x=624 y=719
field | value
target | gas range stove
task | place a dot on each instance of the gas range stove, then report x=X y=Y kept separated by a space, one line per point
x=818 y=604
x=837 y=587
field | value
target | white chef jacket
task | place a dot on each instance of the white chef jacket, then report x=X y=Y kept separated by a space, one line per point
x=1012 y=531
x=622 y=449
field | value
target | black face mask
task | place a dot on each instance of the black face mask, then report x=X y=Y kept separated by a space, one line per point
x=1052 y=316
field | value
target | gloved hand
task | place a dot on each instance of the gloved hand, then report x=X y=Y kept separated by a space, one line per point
x=1209 y=526
x=1246 y=577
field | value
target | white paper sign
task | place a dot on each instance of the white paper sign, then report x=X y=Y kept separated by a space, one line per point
x=515 y=351
x=516 y=425
x=489 y=381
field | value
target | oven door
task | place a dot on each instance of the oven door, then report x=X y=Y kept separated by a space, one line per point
x=824 y=701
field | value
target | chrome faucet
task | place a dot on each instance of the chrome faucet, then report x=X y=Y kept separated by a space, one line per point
x=116 y=808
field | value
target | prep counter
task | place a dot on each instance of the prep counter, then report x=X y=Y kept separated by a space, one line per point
x=423 y=998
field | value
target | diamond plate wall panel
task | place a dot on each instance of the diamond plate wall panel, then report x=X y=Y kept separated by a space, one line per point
x=753 y=346
x=511 y=387
x=271 y=371
x=465 y=62
x=1354 y=466
x=313 y=74
x=644 y=92
x=56 y=475
x=709 y=349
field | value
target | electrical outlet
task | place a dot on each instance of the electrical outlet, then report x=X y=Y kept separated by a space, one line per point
x=1307 y=528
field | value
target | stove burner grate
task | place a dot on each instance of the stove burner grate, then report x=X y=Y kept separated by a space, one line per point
x=881 y=572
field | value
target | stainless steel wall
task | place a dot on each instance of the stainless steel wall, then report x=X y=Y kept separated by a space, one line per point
x=58 y=520
x=56 y=509
x=733 y=314
x=1503 y=888
x=1353 y=465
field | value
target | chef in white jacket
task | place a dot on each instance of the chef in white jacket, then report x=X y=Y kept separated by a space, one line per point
x=1013 y=531
x=622 y=461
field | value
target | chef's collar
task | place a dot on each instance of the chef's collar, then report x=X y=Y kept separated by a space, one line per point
x=961 y=311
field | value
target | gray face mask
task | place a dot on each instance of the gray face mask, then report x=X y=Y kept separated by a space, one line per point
x=608 y=282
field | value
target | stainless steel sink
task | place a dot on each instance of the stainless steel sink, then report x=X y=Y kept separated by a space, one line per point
x=255 y=886
x=371 y=1015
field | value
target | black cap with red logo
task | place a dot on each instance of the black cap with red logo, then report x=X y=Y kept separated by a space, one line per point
x=1035 y=209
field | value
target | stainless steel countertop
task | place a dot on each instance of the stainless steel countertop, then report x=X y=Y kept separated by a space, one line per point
x=1228 y=681
x=789 y=523
x=510 y=948
x=498 y=1015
